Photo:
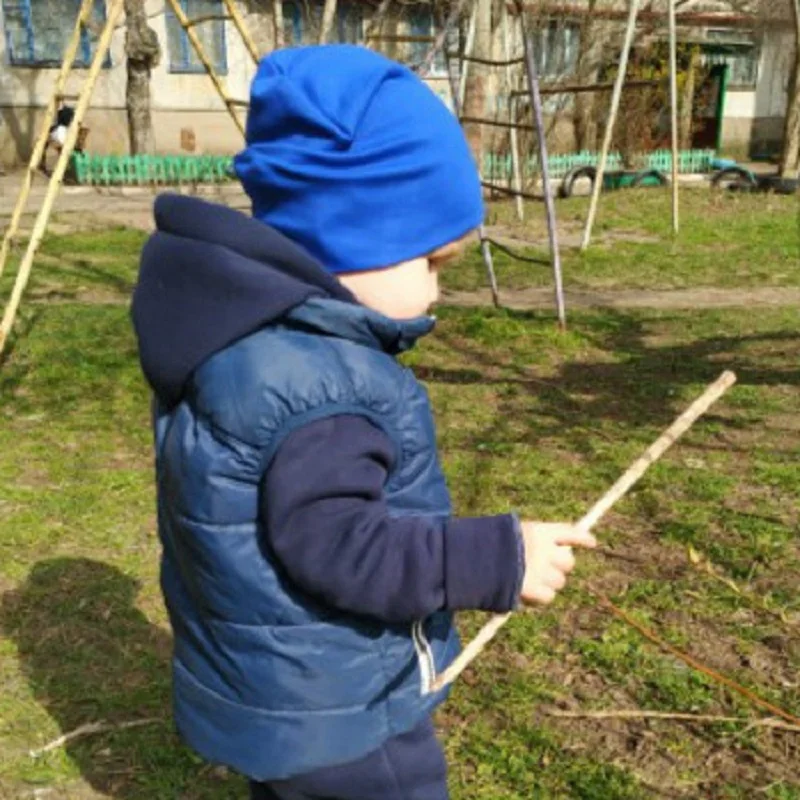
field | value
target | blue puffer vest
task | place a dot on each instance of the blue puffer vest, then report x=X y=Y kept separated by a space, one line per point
x=266 y=680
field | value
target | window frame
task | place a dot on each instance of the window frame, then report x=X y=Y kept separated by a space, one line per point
x=187 y=51
x=295 y=15
x=557 y=32
x=439 y=67
x=716 y=51
x=84 y=55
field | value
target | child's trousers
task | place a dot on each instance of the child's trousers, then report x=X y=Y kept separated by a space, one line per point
x=407 y=767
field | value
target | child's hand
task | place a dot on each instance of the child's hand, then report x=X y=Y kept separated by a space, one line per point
x=549 y=558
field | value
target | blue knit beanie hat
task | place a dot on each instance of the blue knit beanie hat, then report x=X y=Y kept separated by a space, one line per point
x=353 y=157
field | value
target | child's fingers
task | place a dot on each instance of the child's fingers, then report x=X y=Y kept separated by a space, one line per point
x=554 y=579
x=542 y=595
x=577 y=538
x=563 y=559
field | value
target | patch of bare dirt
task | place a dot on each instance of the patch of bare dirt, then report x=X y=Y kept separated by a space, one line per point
x=542 y=298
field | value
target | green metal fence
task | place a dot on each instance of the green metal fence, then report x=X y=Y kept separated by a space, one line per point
x=146 y=170
x=497 y=168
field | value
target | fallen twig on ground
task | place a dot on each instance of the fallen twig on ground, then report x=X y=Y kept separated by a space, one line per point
x=636 y=713
x=91 y=728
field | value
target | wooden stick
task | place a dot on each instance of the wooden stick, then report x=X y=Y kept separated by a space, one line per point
x=89 y=728
x=636 y=713
x=41 y=141
x=599 y=509
x=611 y=122
x=673 y=93
x=103 y=44
x=240 y=25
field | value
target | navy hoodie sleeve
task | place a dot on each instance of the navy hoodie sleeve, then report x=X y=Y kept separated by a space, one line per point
x=328 y=524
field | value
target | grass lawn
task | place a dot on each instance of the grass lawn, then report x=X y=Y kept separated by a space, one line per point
x=727 y=240
x=529 y=419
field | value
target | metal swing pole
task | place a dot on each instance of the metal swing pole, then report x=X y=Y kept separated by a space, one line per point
x=550 y=207
x=612 y=119
x=673 y=87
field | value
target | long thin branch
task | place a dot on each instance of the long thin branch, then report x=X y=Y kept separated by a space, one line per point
x=91 y=728
x=694 y=663
x=630 y=477
x=635 y=713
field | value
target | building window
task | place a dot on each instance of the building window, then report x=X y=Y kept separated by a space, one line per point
x=38 y=31
x=557 y=46
x=302 y=23
x=210 y=32
x=421 y=25
x=738 y=52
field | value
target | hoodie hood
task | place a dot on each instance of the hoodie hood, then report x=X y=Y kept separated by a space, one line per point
x=210 y=275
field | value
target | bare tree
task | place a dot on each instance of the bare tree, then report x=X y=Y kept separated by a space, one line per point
x=476 y=95
x=143 y=54
x=590 y=53
x=790 y=157
x=328 y=18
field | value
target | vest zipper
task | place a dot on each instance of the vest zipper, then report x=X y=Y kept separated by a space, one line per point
x=427 y=665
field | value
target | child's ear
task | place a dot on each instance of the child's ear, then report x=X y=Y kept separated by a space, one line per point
x=449 y=252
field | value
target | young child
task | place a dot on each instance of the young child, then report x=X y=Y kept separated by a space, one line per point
x=311 y=559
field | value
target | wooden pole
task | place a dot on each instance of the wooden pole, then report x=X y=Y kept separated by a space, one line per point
x=612 y=120
x=544 y=159
x=600 y=509
x=44 y=132
x=239 y=22
x=512 y=110
x=103 y=44
x=673 y=86
x=185 y=23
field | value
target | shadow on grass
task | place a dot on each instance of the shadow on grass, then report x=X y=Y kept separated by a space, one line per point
x=634 y=379
x=23 y=326
x=90 y=655
x=74 y=269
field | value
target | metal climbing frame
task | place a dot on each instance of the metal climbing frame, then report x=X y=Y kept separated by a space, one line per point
x=535 y=92
x=114 y=12
x=529 y=61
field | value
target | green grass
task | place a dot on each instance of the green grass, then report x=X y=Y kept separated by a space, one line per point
x=529 y=419
x=726 y=241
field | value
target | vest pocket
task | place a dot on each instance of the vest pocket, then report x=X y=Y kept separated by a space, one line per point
x=425 y=660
